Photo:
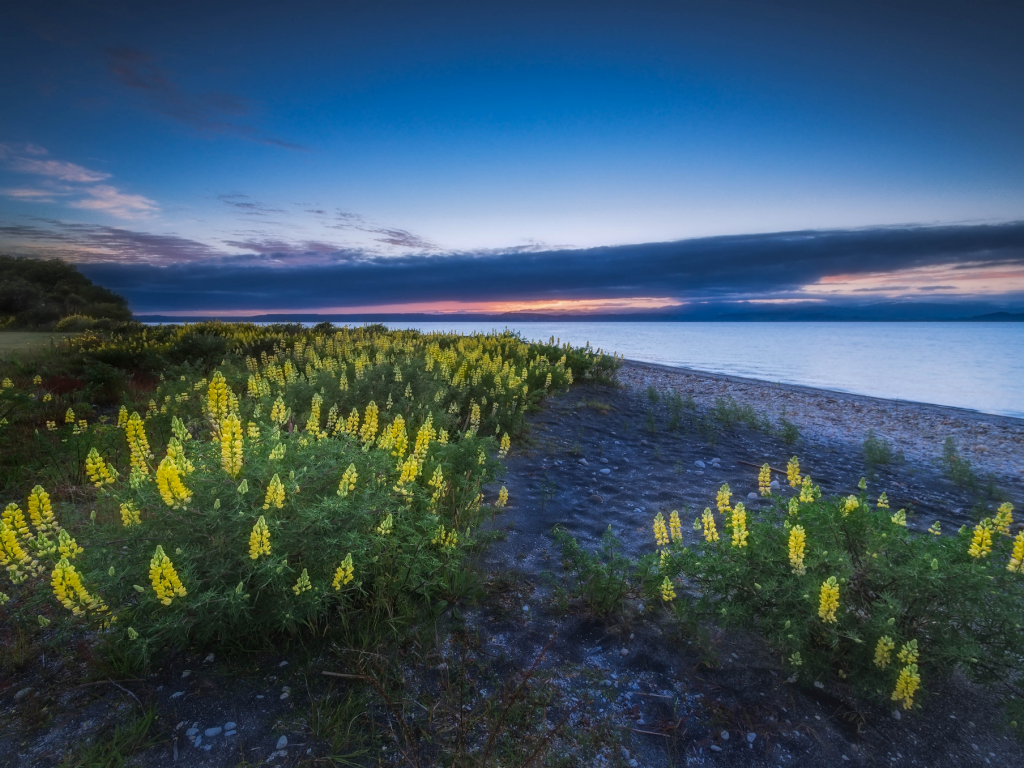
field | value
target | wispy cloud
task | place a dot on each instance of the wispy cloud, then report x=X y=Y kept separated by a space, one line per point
x=212 y=112
x=33 y=160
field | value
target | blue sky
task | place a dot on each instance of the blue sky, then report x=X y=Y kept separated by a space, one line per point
x=265 y=137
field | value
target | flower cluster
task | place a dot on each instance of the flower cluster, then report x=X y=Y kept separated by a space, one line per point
x=164 y=578
x=793 y=472
x=348 y=481
x=660 y=532
x=764 y=480
x=797 y=542
x=738 y=526
x=502 y=499
x=97 y=469
x=129 y=514
x=668 y=592
x=138 y=445
x=168 y=482
x=259 y=539
x=231 y=444
x=981 y=541
x=828 y=602
x=345 y=573
x=275 y=494
x=724 y=497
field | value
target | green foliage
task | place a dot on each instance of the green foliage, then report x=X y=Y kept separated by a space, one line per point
x=956 y=467
x=602 y=580
x=963 y=612
x=113 y=749
x=404 y=522
x=878 y=450
x=38 y=293
x=788 y=431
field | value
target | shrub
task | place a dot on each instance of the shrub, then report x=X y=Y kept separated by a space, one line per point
x=878 y=450
x=842 y=587
x=956 y=467
x=309 y=477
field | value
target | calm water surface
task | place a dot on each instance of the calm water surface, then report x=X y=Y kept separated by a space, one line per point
x=968 y=365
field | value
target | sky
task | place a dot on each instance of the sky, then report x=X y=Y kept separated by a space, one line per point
x=501 y=156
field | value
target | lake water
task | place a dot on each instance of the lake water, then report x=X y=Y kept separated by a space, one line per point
x=969 y=365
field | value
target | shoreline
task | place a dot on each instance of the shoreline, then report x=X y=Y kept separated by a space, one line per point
x=993 y=443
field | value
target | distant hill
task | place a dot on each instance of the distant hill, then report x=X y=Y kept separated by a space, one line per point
x=37 y=293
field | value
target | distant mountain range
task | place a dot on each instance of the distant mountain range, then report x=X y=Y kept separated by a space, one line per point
x=893 y=312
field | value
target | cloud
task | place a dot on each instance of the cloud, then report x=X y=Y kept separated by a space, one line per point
x=33 y=160
x=214 y=112
x=247 y=206
x=772 y=266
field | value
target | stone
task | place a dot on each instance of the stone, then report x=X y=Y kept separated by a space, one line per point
x=214 y=731
x=633 y=763
x=643 y=443
x=192 y=732
x=186 y=673
x=725 y=735
x=596 y=499
x=716 y=461
x=282 y=743
x=604 y=460
x=751 y=737
x=624 y=652
x=584 y=462
x=283 y=664
x=22 y=694
x=775 y=485
x=625 y=753
x=198 y=741
x=753 y=495
x=232 y=732
x=700 y=464
x=606 y=471
x=230 y=725
x=715 y=748
x=208 y=659
x=526 y=609
x=177 y=695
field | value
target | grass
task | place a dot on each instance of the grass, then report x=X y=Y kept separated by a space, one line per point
x=113 y=749
x=28 y=343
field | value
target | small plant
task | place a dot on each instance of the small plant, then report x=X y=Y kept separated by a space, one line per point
x=878 y=450
x=653 y=395
x=788 y=431
x=956 y=467
x=602 y=580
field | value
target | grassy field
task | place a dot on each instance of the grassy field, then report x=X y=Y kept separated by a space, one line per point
x=25 y=343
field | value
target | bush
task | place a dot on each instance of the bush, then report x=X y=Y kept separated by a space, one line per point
x=257 y=499
x=956 y=467
x=878 y=450
x=841 y=587
x=75 y=323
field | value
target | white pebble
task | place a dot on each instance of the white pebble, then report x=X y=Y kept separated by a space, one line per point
x=282 y=742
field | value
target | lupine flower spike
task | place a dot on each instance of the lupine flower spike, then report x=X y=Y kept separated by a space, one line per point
x=828 y=603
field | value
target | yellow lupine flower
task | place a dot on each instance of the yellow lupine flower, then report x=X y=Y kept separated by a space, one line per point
x=503 y=448
x=883 y=651
x=348 y=481
x=138 y=445
x=908 y=653
x=883 y=501
x=1017 y=556
x=502 y=497
x=660 y=532
x=793 y=472
x=345 y=573
x=425 y=434
x=69 y=416
x=97 y=470
x=67 y=546
x=724 y=497
x=668 y=593
x=231 y=444
x=37 y=379
x=71 y=593
x=313 y=423
x=797 y=543
x=828 y=602
x=122 y=418
x=13 y=558
x=1004 y=518
x=164 y=578
x=808 y=491
x=129 y=515
x=303 y=584
x=981 y=542
x=738 y=524
x=935 y=529
x=764 y=480
x=253 y=431
x=906 y=685
x=168 y=482
x=900 y=518
x=368 y=431
x=675 y=527
x=850 y=504
x=445 y=539
x=710 y=529
x=218 y=398
x=386 y=525
x=40 y=510
x=275 y=494
x=14 y=519
x=474 y=418
x=278 y=413
x=259 y=539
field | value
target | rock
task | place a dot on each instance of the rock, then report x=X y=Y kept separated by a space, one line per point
x=214 y=731
x=186 y=673
x=896 y=715
x=606 y=471
x=725 y=735
x=596 y=499
x=715 y=748
x=22 y=694
x=604 y=460
x=282 y=743
x=526 y=609
x=230 y=726
x=633 y=763
x=283 y=664
x=192 y=732
x=208 y=659
x=624 y=652
x=584 y=462
x=625 y=753
x=198 y=741
x=699 y=472
x=716 y=461
x=643 y=443
x=232 y=732
x=753 y=495
x=751 y=737
x=775 y=485
x=177 y=695
x=700 y=464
